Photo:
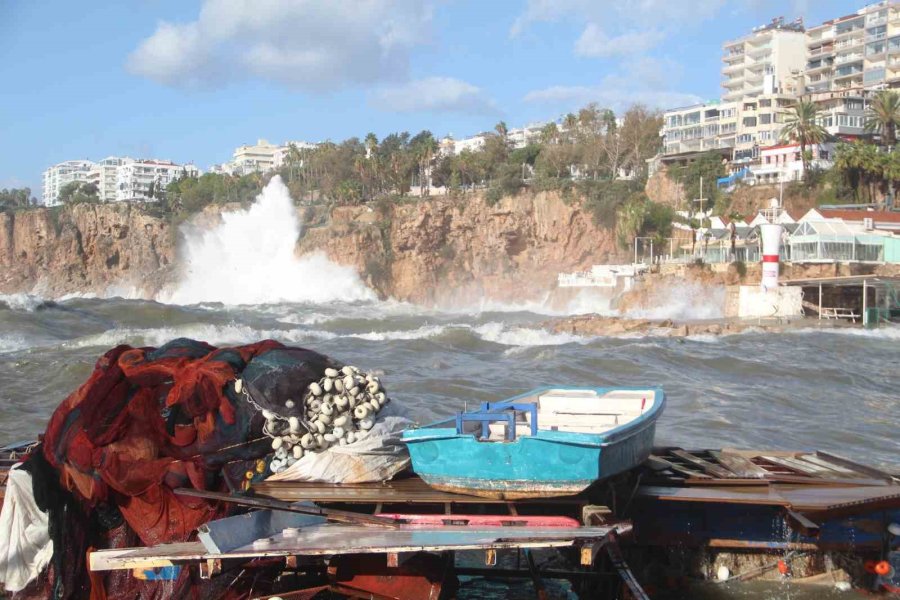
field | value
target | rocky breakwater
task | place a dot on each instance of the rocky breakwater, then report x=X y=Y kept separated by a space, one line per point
x=86 y=248
x=459 y=251
x=599 y=326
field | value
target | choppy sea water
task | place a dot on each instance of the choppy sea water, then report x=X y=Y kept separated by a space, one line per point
x=829 y=390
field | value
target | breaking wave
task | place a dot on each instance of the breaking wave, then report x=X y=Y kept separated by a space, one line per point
x=525 y=336
x=684 y=301
x=249 y=259
x=26 y=302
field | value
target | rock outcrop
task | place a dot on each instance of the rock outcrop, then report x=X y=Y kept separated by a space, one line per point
x=87 y=248
x=457 y=251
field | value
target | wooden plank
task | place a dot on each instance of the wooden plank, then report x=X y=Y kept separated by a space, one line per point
x=334 y=539
x=705 y=465
x=757 y=495
x=659 y=461
x=786 y=464
x=739 y=465
x=411 y=490
x=339 y=516
x=865 y=469
x=812 y=458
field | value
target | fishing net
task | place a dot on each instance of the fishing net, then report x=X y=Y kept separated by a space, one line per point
x=147 y=421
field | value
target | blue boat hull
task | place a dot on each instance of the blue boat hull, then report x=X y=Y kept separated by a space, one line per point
x=548 y=464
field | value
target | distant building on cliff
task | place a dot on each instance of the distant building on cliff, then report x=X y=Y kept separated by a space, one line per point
x=146 y=180
x=116 y=178
x=260 y=157
x=57 y=176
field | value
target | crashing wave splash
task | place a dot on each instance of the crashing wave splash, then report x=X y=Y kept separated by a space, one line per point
x=249 y=259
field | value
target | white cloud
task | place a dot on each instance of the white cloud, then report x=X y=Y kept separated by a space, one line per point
x=434 y=94
x=612 y=27
x=595 y=43
x=643 y=81
x=307 y=45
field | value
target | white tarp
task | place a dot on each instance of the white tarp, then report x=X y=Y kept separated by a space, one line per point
x=25 y=544
x=378 y=456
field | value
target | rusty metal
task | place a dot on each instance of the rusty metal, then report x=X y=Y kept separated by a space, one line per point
x=421 y=577
x=618 y=561
x=490 y=557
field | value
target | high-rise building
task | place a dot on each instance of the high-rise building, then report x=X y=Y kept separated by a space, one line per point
x=259 y=157
x=59 y=175
x=767 y=61
x=848 y=60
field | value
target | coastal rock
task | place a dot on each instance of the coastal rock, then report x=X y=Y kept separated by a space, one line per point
x=86 y=248
x=455 y=251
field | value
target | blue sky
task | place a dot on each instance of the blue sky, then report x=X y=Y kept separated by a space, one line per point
x=191 y=80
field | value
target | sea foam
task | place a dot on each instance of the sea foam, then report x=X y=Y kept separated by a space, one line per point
x=249 y=259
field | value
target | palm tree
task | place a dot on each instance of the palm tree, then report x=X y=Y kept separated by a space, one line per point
x=801 y=126
x=884 y=116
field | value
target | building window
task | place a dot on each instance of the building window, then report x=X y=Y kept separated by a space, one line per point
x=823 y=154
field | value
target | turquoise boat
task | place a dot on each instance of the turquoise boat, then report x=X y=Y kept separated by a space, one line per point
x=551 y=441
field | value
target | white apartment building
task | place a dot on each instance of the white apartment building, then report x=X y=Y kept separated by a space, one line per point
x=522 y=136
x=283 y=151
x=259 y=157
x=848 y=60
x=103 y=175
x=700 y=127
x=137 y=179
x=769 y=60
x=59 y=175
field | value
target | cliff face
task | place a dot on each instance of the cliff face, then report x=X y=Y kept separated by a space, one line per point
x=458 y=251
x=434 y=251
x=87 y=248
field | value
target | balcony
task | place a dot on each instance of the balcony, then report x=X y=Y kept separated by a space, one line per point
x=875 y=22
x=849 y=58
x=824 y=50
x=733 y=68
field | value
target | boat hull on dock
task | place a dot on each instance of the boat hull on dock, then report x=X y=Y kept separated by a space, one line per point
x=545 y=465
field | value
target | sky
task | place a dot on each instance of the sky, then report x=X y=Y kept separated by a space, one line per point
x=191 y=80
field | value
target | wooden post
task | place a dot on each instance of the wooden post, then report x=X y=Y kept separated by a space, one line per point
x=820 y=300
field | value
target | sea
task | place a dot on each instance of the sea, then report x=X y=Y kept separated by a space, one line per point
x=805 y=389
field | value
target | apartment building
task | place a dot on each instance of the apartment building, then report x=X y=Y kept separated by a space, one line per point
x=61 y=174
x=259 y=157
x=143 y=180
x=103 y=175
x=700 y=127
x=848 y=60
x=767 y=61
x=283 y=151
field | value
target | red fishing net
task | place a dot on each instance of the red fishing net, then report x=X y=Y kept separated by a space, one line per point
x=148 y=421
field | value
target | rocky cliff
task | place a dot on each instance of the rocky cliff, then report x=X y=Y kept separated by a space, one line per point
x=457 y=251
x=87 y=248
x=435 y=251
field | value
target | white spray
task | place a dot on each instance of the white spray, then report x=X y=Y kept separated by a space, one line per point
x=249 y=259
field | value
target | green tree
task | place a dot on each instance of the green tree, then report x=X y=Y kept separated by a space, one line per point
x=16 y=198
x=801 y=126
x=79 y=192
x=884 y=116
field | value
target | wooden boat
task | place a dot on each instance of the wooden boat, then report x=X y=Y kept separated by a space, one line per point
x=551 y=441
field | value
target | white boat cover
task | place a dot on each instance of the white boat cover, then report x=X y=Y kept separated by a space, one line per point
x=25 y=544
